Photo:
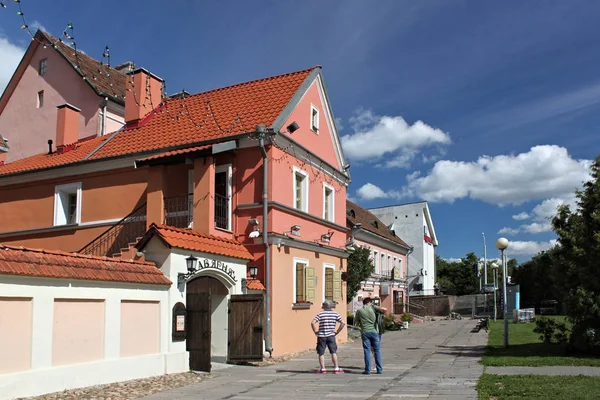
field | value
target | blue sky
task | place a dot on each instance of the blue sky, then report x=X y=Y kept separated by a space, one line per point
x=488 y=110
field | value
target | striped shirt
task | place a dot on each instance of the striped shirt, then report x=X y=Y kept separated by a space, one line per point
x=327 y=320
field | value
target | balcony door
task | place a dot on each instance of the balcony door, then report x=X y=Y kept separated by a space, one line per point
x=223 y=197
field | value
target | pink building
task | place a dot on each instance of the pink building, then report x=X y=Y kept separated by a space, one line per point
x=50 y=74
x=387 y=285
x=237 y=195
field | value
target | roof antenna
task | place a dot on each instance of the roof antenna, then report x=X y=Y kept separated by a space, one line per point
x=49 y=146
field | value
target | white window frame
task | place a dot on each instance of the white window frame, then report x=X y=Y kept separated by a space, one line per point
x=229 y=176
x=326 y=266
x=43 y=67
x=314 y=127
x=60 y=214
x=305 y=182
x=332 y=202
x=376 y=260
x=306 y=265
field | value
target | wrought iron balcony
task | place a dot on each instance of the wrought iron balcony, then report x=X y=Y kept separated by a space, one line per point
x=222 y=212
x=179 y=211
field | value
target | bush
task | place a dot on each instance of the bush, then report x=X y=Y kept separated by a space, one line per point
x=389 y=322
x=551 y=331
x=406 y=317
x=349 y=318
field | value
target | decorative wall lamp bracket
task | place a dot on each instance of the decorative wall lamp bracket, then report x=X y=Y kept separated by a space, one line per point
x=192 y=268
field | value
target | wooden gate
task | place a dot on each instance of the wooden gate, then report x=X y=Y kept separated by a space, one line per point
x=246 y=317
x=198 y=305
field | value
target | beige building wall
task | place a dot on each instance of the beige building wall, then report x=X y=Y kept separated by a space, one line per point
x=78 y=331
x=15 y=334
x=140 y=328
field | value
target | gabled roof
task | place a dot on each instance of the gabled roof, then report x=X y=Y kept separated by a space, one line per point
x=181 y=123
x=105 y=81
x=191 y=240
x=355 y=214
x=57 y=264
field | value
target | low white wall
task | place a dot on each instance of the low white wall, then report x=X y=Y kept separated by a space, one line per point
x=43 y=377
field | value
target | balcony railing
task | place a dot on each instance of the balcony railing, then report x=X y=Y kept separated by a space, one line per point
x=179 y=211
x=118 y=236
x=221 y=211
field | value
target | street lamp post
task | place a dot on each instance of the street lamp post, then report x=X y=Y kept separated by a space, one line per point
x=484 y=260
x=502 y=244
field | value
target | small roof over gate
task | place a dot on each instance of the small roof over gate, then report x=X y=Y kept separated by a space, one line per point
x=191 y=240
x=40 y=263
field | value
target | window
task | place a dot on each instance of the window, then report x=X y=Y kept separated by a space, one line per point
x=40 y=99
x=43 y=66
x=376 y=261
x=314 y=119
x=328 y=213
x=300 y=190
x=382 y=267
x=223 y=197
x=332 y=283
x=304 y=282
x=67 y=204
x=389 y=266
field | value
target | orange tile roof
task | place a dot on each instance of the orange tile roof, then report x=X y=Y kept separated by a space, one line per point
x=42 y=161
x=211 y=115
x=254 y=284
x=191 y=240
x=175 y=152
x=57 y=264
x=367 y=219
x=216 y=114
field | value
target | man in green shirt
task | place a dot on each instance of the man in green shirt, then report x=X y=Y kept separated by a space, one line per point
x=366 y=320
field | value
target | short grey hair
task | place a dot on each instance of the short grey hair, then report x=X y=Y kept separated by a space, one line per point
x=328 y=304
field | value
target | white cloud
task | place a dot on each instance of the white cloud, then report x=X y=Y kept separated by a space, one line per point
x=10 y=54
x=518 y=248
x=521 y=216
x=368 y=191
x=508 y=231
x=453 y=260
x=35 y=25
x=543 y=172
x=389 y=141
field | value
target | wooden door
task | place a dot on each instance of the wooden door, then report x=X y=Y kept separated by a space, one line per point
x=198 y=331
x=246 y=317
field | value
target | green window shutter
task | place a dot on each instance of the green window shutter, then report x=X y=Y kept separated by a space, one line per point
x=337 y=285
x=397 y=273
x=310 y=284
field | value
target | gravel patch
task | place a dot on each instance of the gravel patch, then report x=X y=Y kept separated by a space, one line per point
x=127 y=390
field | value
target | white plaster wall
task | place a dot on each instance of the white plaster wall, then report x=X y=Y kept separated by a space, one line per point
x=43 y=377
x=219 y=325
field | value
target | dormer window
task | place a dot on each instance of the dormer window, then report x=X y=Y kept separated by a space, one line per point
x=43 y=66
x=314 y=119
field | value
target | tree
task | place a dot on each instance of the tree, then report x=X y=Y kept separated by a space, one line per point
x=360 y=267
x=458 y=277
x=538 y=279
x=578 y=254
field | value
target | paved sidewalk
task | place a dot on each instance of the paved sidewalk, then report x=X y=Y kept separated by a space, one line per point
x=433 y=360
x=588 y=371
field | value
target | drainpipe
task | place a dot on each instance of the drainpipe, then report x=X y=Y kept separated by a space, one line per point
x=410 y=250
x=262 y=131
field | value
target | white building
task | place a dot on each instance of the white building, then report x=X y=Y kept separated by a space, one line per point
x=413 y=223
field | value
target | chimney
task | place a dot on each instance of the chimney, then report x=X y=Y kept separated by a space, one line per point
x=67 y=127
x=144 y=91
x=125 y=68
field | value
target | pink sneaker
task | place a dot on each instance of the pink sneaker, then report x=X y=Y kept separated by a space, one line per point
x=338 y=371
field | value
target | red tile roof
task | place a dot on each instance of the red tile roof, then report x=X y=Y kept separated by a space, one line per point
x=102 y=78
x=175 y=152
x=191 y=240
x=254 y=284
x=57 y=264
x=356 y=214
x=211 y=116
x=42 y=161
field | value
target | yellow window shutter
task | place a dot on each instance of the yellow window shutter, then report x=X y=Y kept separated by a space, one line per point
x=337 y=285
x=310 y=284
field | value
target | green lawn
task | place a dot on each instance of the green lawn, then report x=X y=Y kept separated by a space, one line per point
x=526 y=349
x=498 y=387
